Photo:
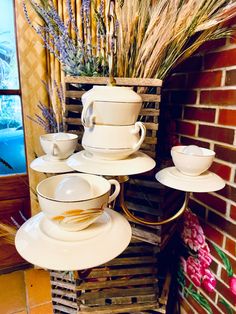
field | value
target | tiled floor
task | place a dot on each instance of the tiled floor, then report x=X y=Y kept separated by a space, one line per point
x=25 y=292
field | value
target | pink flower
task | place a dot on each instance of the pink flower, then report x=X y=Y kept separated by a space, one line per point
x=194 y=270
x=183 y=264
x=204 y=256
x=208 y=280
x=193 y=235
x=232 y=284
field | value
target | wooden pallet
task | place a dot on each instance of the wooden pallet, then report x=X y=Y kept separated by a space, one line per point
x=148 y=89
x=127 y=284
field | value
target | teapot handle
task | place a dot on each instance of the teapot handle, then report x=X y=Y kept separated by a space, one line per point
x=87 y=121
x=137 y=127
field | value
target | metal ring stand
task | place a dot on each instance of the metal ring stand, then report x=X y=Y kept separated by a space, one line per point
x=122 y=180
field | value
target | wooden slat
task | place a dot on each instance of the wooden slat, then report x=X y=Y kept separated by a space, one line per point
x=150 y=98
x=110 y=309
x=119 y=81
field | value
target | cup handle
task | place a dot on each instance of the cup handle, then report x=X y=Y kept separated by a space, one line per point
x=137 y=127
x=116 y=192
x=87 y=122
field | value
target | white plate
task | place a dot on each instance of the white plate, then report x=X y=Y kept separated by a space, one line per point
x=136 y=163
x=89 y=248
x=43 y=164
x=206 y=182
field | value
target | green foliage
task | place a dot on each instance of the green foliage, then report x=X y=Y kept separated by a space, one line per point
x=225 y=261
x=229 y=310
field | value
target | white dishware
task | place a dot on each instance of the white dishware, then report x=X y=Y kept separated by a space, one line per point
x=46 y=165
x=136 y=163
x=110 y=105
x=74 y=215
x=206 y=182
x=88 y=249
x=102 y=138
x=192 y=160
x=58 y=145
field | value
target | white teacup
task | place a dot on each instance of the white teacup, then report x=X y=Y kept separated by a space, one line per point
x=75 y=215
x=58 y=145
x=110 y=105
x=105 y=138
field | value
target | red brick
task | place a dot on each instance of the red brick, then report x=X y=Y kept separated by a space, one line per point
x=212 y=234
x=211 y=44
x=218 y=97
x=189 y=65
x=222 y=170
x=230 y=78
x=222 y=306
x=230 y=246
x=225 y=292
x=204 y=79
x=200 y=309
x=175 y=81
x=185 y=128
x=185 y=305
x=216 y=133
x=233 y=212
x=224 y=276
x=227 y=117
x=223 y=224
x=183 y=97
x=197 y=208
x=212 y=201
x=225 y=153
x=220 y=59
x=228 y=192
x=194 y=141
x=216 y=256
x=199 y=114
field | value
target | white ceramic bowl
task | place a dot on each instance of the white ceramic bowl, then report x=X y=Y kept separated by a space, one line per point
x=192 y=164
x=78 y=214
x=58 y=145
x=109 y=154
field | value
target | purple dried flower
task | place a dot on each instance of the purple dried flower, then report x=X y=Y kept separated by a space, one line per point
x=71 y=16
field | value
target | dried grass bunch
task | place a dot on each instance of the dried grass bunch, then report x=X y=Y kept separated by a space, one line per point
x=148 y=37
x=155 y=36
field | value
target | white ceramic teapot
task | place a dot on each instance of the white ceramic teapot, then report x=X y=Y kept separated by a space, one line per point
x=110 y=105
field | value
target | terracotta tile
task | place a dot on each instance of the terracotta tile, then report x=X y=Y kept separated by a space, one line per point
x=204 y=79
x=219 y=134
x=38 y=286
x=12 y=295
x=200 y=114
x=42 y=309
x=218 y=97
x=225 y=153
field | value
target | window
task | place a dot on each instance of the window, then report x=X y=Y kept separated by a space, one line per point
x=12 y=150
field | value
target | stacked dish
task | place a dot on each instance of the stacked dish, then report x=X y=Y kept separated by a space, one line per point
x=109 y=117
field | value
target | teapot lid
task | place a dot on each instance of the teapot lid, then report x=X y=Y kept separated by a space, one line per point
x=112 y=93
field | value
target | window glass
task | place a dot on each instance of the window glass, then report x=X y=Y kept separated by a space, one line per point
x=12 y=151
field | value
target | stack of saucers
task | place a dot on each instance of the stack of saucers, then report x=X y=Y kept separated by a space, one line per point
x=109 y=117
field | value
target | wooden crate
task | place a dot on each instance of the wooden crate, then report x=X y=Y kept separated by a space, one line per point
x=148 y=89
x=127 y=284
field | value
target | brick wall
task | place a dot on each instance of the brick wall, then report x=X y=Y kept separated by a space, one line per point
x=199 y=99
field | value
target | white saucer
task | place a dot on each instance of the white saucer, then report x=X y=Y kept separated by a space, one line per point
x=92 y=247
x=84 y=161
x=43 y=164
x=206 y=182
